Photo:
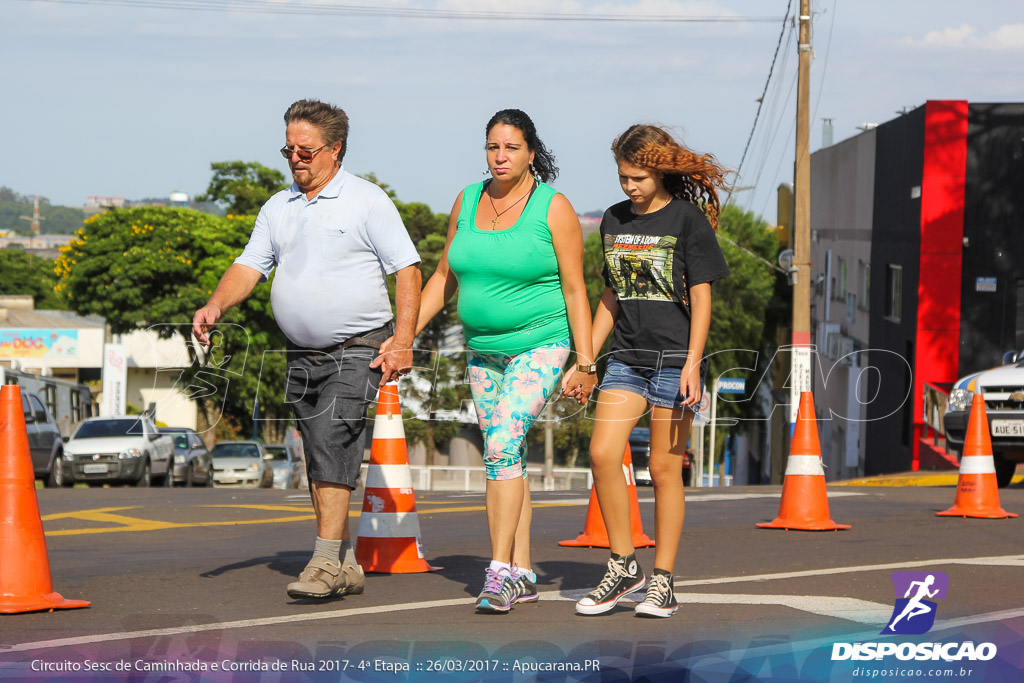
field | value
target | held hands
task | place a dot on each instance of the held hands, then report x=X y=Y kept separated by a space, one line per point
x=393 y=362
x=579 y=385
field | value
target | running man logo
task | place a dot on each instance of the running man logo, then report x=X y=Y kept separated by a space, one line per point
x=914 y=612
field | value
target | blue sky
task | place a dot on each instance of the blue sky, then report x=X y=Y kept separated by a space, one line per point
x=129 y=100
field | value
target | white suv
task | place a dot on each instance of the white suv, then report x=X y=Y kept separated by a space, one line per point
x=1003 y=389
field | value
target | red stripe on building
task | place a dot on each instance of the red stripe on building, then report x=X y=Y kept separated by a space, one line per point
x=943 y=181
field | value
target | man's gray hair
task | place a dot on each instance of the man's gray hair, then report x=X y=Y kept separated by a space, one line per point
x=333 y=121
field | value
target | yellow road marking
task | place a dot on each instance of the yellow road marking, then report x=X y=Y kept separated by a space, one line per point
x=79 y=513
x=286 y=508
x=145 y=525
x=944 y=478
x=126 y=523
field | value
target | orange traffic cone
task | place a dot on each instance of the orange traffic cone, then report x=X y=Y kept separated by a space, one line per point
x=25 y=584
x=804 y=504
x=977 y=493
x=389 y=529
x=595 y=533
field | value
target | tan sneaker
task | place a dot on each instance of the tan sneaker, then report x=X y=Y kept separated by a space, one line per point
x=320 y=579
x=355 y=579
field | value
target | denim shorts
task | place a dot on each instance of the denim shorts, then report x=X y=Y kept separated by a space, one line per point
x=660 y=387
x=329 y=393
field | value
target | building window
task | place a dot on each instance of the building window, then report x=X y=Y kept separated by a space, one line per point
x=76 y=406
x=842 y=279
x=893 y=292
x=51 y=399
x=864 y=278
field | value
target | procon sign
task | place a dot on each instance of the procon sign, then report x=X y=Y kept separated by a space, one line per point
x=731 y=385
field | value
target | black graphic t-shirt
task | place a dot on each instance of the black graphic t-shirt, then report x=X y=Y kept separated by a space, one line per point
x=650 y=262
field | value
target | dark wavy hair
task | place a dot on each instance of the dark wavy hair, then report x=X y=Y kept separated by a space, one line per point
x=688 y=175
x=543 y=160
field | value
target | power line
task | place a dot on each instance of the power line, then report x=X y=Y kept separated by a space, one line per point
x=339 y=9
x=824 y=66
x=776 y=110
x=778 y=168
x=764 y=92
x=792 y=127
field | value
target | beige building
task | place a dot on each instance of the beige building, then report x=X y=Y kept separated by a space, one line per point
x=70 y=347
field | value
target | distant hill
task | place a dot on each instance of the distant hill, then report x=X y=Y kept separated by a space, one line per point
x=64 y=220
x=57 y=220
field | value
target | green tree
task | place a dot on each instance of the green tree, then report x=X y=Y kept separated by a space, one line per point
x=740 y=301
x=152 y=267
x=242 y=186
x=24 y=273
x=745 y=307
x=445 y=388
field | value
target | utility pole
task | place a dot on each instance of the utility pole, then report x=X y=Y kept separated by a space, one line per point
x=35 y=218
x=800 y=375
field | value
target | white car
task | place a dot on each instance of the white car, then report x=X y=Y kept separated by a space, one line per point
x=241 y=463
x=1003 y=389
x=126 y=449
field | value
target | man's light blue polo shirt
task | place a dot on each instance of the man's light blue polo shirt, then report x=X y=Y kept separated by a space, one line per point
x=332 y=253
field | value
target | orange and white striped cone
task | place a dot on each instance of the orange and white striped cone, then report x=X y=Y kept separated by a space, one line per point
x=804 y=504
x=595 y=532
x=977 y=492
x=25 y=583
x=389 y=528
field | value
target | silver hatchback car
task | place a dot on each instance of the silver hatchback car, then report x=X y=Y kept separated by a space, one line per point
x=242 y=464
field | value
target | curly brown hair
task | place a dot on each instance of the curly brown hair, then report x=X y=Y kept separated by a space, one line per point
x=687 y=175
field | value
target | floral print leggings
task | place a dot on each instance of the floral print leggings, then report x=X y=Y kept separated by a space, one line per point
x=509 y=393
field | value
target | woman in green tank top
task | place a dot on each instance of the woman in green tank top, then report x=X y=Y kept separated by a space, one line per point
x=515 y=253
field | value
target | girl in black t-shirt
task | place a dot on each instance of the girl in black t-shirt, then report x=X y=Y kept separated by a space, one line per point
x=661 y=257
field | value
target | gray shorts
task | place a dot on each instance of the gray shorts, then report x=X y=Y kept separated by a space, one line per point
x=329 y=394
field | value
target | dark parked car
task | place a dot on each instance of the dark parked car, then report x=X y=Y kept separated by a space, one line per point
x=44 y=443
x=640 y=452
x=193 y=464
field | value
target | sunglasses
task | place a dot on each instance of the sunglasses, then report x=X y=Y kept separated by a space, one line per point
x=303 y=154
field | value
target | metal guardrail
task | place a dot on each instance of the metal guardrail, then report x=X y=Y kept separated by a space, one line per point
x=471 y=479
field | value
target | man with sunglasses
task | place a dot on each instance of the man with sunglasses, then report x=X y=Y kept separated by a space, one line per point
x=332 y=237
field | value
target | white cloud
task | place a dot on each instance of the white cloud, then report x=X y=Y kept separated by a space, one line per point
x=1005 y=38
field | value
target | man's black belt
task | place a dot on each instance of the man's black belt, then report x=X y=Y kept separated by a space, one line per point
x=362 y=339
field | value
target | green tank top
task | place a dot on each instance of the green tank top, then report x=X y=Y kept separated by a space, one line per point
x=510 y=295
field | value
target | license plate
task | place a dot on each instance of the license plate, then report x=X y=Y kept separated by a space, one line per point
x=100 y=468
x=1007 y=427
